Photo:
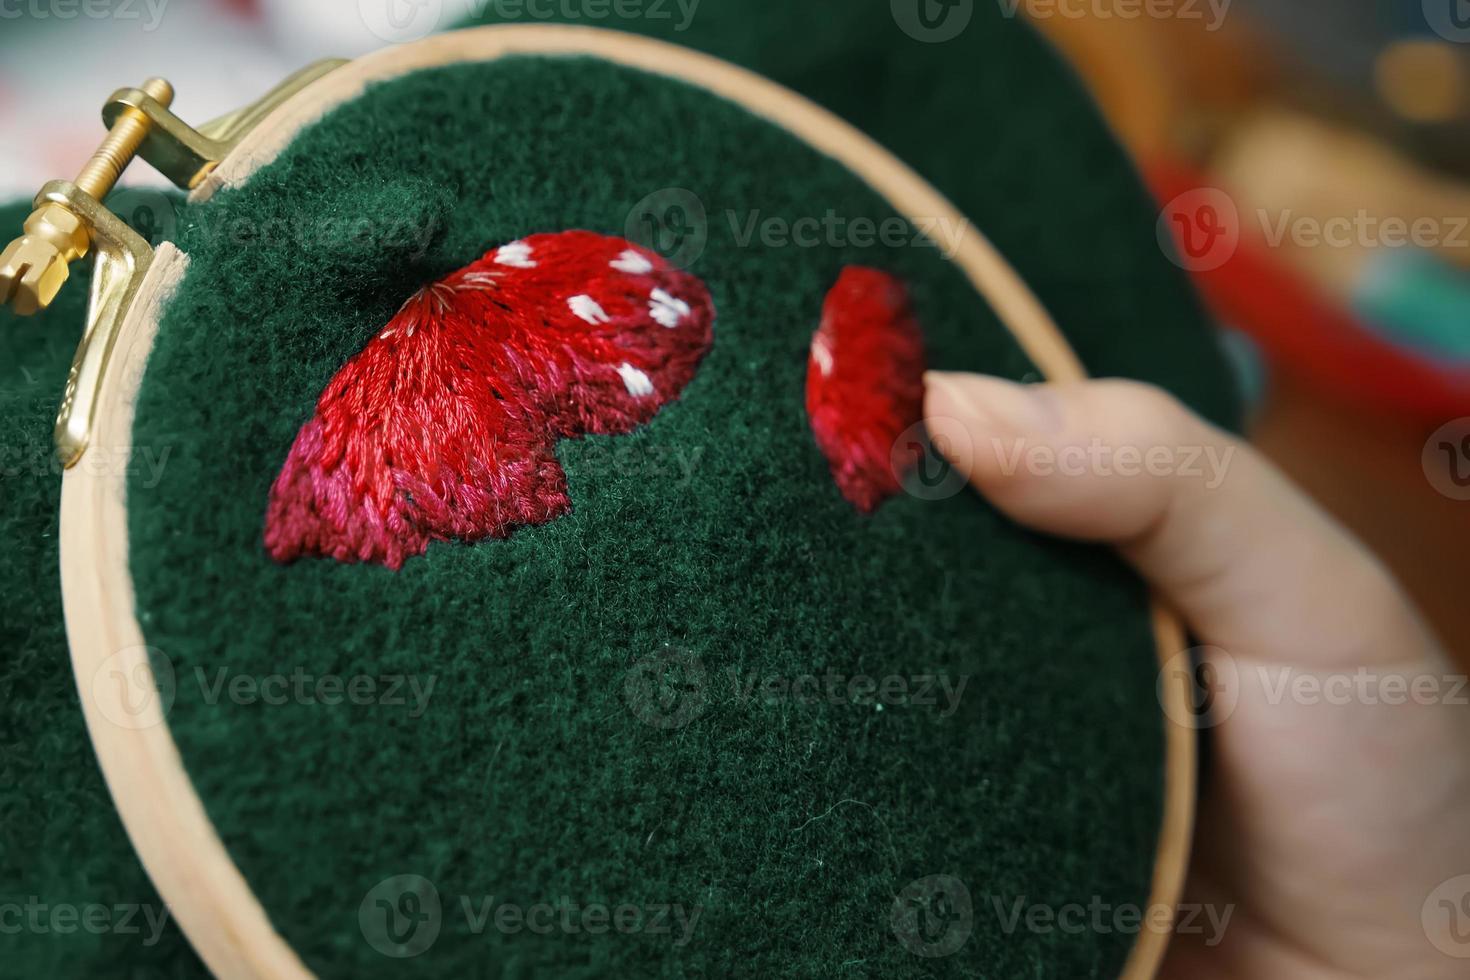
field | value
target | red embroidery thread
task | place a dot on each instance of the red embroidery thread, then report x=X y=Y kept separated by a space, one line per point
x=865 y=383
x=444 y=426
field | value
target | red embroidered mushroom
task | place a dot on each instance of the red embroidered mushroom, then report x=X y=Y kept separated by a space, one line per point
x=445 y=424
x=865 y=383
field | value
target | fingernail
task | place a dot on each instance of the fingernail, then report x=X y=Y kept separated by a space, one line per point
x=992 y=402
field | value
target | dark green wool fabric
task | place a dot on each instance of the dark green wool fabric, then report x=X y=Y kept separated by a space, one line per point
x=790 y=823
x=73 y=898
x=713 y=540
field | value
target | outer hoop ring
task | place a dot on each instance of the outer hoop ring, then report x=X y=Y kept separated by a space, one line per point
x=163 y=814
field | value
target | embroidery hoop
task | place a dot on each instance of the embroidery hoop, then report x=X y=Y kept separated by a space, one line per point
x=163 y=815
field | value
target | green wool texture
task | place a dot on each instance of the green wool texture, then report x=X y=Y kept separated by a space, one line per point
x=482 y=726
x=63 y=853
x=524 y=774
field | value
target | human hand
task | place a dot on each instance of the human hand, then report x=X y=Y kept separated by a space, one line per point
x=1338 y=802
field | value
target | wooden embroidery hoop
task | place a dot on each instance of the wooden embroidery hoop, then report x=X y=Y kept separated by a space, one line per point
x=163 y=814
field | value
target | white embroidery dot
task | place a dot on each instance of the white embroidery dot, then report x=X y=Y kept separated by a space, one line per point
x=632 y=263
x=823 y=356
x=666 y=308
x=635 y=381
x=586 y=307
x=516 y=254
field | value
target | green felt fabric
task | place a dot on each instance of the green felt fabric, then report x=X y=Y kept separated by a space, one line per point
x=74 y=901
x=715 y=530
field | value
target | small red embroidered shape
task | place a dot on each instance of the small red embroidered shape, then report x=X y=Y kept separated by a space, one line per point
x=444 y=426
x=865 y=383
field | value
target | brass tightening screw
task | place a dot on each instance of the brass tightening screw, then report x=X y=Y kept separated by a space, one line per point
x=121 y=145
x=34 y=266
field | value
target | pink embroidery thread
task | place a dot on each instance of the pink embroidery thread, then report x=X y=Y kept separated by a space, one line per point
x=865 y=383
x=444 y=426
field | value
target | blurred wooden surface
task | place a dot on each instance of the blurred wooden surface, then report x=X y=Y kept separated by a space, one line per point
x=1366 y=470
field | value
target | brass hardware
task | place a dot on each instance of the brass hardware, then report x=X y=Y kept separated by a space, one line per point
x=186 y=155
x=128 y=129
x=69 y=221
x=123 y=258
x=35 y=266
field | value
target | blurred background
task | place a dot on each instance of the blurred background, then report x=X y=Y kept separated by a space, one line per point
x=1310 y=159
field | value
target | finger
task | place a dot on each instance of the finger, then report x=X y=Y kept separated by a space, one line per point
x=1253 y=566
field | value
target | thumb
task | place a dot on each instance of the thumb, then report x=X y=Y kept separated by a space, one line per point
x=1251 y=564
